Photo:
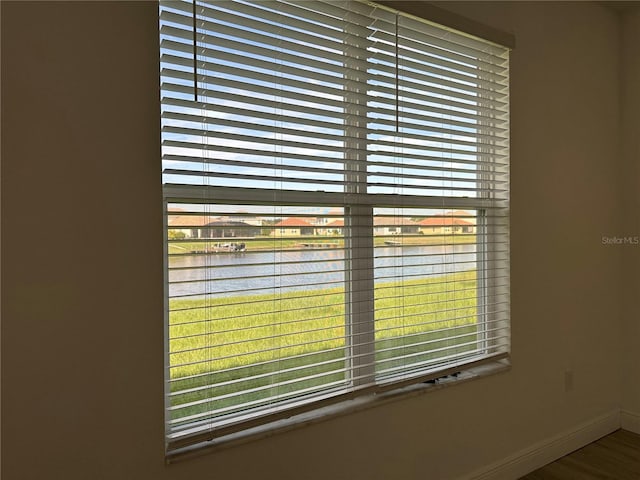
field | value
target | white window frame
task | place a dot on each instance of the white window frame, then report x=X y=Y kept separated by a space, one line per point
x=359 y=283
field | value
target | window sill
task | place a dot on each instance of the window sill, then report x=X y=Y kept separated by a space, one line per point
x=334 y=411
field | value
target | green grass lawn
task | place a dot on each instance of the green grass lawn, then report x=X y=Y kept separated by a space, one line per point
x=219 y=347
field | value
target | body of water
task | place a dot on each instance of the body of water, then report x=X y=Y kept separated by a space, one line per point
x=246 y=273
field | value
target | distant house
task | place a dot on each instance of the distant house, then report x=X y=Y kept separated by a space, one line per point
x=293 y=227
x=244 y=218
x=394 y=226
x=225 y=228
x=463 y=215
x=197 y=226
x=335 y=227
x=188 y=224
x=332 y=215
x=448 y=224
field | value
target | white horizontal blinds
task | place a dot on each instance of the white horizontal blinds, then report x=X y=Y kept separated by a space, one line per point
x=336 y=185
x=438 y=129
x=431 y=277
x=256 y=311
x=425 y=88
x=276 y=105
x=271 y=77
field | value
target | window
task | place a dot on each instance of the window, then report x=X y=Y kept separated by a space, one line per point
x=336 y=191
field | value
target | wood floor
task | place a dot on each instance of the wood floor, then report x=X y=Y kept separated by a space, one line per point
x=614 y=457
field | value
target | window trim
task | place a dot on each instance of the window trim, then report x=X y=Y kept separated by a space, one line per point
x=490 y=367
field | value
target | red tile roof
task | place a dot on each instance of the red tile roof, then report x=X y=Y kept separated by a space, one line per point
x=293 y=222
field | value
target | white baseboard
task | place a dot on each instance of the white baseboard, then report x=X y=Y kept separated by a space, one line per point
x=630 y=421
x=547 y=451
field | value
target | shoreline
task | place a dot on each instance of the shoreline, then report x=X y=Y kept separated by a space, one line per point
x=290 y=244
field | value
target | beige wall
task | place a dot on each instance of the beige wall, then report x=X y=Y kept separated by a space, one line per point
x=82 y=333
x=630 y=82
